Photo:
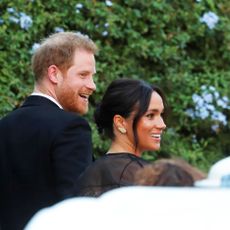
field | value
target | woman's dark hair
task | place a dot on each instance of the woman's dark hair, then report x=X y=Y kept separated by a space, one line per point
x=122 y=97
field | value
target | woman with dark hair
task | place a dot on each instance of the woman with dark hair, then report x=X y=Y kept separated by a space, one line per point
x=130 y=114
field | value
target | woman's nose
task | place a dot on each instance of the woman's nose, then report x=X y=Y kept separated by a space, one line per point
x=161 y=124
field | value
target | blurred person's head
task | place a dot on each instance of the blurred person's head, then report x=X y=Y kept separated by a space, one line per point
x=196 y=173
x=164 y=173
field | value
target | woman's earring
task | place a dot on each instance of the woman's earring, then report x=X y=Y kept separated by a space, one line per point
x=122 y=130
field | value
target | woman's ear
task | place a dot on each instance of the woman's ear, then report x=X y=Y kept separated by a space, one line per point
x=53 y=72
x=119 y=124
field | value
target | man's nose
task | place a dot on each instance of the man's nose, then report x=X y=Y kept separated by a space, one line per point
x=91 y=84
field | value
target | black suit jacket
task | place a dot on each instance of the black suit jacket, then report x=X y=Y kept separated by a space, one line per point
x=43 y=150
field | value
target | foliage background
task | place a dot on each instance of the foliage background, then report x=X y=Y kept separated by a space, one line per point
x=161 y=41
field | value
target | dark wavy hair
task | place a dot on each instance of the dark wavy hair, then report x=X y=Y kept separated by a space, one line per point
x=122 y=97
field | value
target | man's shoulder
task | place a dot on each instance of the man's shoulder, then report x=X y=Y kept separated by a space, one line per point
x=39 y=110
x=46 y=107
x=72 y=117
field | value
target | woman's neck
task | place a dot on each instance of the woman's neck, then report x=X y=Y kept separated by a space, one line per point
x=121 y=148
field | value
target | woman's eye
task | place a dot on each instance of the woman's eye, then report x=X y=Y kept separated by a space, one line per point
x=150 y=115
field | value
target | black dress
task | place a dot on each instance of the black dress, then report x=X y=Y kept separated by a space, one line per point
x=109 y=172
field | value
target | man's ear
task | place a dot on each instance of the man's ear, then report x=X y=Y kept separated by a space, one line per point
x=53 y=72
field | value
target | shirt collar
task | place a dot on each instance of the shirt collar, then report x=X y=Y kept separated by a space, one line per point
x=48 y=97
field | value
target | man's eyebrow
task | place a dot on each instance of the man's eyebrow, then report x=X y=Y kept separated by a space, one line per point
x=87 y=71
x=84 y=71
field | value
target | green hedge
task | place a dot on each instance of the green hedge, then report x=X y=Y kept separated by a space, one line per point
x=183 y=46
